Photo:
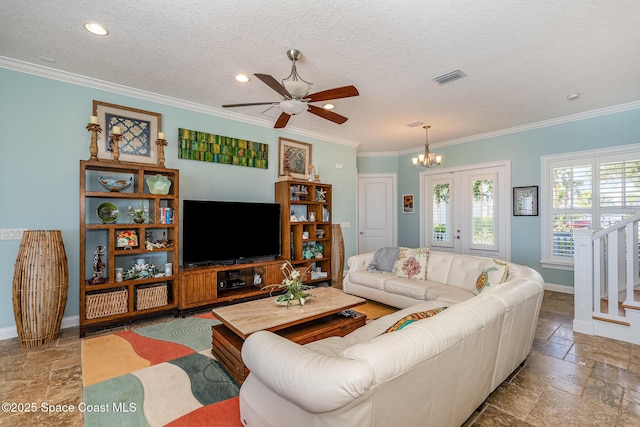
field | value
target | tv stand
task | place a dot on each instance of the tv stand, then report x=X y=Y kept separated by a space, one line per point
x=208 y=285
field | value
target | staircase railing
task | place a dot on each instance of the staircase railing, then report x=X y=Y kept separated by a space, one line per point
x=607 y=281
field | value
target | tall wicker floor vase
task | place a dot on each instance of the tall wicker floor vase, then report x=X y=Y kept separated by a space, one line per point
x=40 y=286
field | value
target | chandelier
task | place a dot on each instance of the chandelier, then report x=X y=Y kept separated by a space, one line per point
x=426 y=160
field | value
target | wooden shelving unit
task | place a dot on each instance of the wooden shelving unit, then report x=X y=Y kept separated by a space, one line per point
x=114 y=302
x=301 y=201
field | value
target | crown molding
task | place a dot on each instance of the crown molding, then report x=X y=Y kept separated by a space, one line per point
x=77 y=79
x=531 y=126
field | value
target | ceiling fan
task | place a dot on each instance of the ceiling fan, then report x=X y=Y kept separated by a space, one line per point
x=296 y=97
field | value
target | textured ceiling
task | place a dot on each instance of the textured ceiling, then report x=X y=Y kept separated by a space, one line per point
x=522 y=58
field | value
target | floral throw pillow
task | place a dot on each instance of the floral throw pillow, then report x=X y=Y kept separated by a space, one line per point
x=492 y=275
x=411 y=263
x=413 y=317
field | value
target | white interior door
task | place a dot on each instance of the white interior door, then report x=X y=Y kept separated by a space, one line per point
x=467 y=211
x=377 y=207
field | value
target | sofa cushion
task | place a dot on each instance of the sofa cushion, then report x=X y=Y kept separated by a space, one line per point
x=411 y=263
x=410 y=318
x=369 y=279
x=493 y=274
x=448 y=293
x=408 y=287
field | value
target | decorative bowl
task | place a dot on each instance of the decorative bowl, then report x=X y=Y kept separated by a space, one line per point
x=113 y=184
x=107 y=212
x=159 y=184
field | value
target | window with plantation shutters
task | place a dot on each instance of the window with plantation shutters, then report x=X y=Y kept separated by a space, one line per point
x=585 y=190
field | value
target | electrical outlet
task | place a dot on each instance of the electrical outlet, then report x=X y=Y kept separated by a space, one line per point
x=12 y=233
x=345 y=225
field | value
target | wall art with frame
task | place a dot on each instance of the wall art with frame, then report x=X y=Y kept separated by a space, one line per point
x=139 y=129
x=407 y=203
x=298 y=155
x=208 y=147
x=525 y=201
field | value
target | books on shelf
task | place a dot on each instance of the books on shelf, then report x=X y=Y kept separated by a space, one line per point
x=166 y=216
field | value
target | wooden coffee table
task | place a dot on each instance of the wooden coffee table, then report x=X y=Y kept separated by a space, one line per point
x=316 y=320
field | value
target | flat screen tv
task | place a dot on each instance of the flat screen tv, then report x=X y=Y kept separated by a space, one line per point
x=229 y=232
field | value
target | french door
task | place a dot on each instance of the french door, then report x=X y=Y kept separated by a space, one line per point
x=466 y=210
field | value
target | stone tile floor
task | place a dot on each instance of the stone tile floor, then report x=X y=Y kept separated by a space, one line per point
x=569 y=379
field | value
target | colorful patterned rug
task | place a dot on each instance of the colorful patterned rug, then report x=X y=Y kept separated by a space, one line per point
x=158 y=375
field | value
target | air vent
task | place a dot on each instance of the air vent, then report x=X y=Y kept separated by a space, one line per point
x=273 y=112
x=415 y=124
x=449 y=77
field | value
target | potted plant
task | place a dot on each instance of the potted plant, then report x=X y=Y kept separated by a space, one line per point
x=294 y=292
x=318 y=250
x=139 y=214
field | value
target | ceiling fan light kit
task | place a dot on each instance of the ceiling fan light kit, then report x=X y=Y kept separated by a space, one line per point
x=293 y=107
x=296 y=98
x=428 y=159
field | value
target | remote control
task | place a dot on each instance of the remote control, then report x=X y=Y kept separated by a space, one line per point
x=348 y=313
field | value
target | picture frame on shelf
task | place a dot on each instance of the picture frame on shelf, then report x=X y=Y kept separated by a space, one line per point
x=127 y=239
x=298 y=155
x=407 y=203
x=525 y=201
x=139 y=130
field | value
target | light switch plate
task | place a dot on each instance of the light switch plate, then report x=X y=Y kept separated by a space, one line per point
x=11 y=233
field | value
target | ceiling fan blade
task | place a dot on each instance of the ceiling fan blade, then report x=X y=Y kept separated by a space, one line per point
x=273 y=84
x=282 y=120
x=326 y=114
x=337 y=93
x=248 y=104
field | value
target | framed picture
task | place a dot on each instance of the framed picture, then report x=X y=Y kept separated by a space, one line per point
x=525 y=201
x=139 y=129
x=298 y=157
x=126 y=239
x=407 y=203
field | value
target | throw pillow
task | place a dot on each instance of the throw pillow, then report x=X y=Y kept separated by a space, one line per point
x=492 y=275
x=411 y=263
x=413 y=317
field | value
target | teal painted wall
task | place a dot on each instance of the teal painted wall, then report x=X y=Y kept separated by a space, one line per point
x=44 y=137
x=524 y=150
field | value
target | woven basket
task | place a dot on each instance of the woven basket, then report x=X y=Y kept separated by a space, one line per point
x=107 y=303
x=151 y=296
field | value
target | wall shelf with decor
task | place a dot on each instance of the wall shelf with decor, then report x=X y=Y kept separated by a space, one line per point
x=129 y=238
x=306 y=226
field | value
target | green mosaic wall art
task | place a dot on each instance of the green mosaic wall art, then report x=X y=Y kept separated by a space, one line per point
x=207 y=147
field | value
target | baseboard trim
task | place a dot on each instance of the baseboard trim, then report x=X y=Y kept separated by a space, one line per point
x=558 y=288
x=12 y=332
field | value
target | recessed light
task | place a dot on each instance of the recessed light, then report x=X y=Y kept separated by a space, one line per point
x=243 y=78
x=95 y=28
x=573 y=96
x=328 y=106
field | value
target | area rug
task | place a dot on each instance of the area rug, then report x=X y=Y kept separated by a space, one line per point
x=158 y=375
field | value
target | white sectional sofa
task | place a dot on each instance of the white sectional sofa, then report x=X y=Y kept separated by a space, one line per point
x=432 y=372
x=449 y=277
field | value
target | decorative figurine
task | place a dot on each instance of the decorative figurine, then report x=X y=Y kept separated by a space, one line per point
x=98 y=267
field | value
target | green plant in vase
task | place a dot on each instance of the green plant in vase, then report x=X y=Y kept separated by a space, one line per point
x=318 y=250
x=294 y=292
x=139 y=214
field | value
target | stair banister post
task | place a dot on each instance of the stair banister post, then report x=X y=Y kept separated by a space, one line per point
x=583 y=281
